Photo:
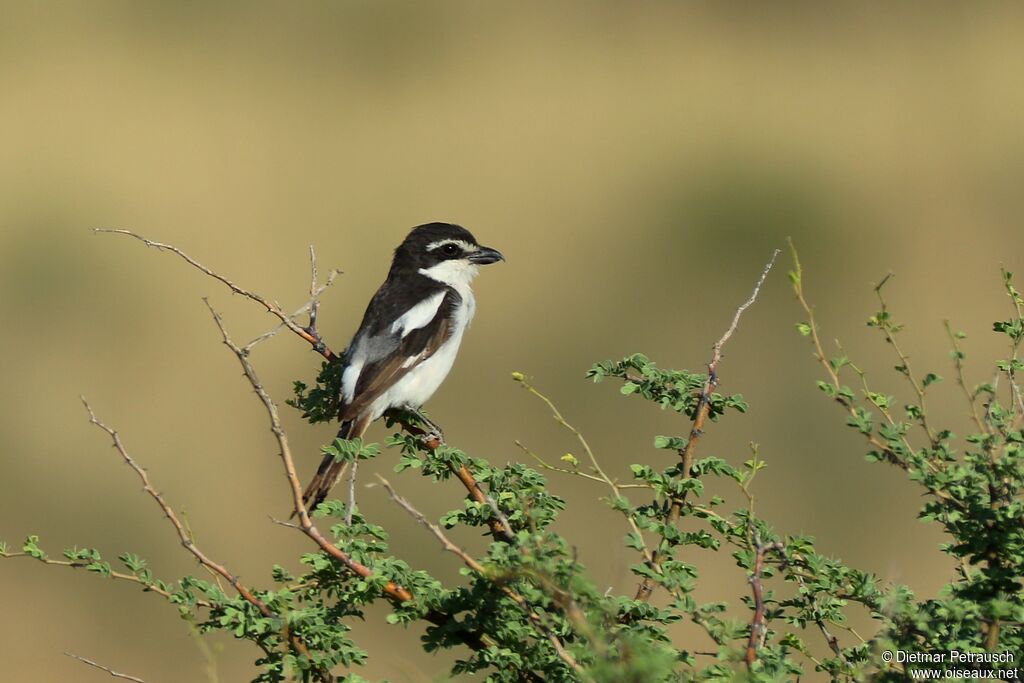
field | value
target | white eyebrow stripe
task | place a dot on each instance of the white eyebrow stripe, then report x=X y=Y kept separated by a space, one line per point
x=466 y=246
x=419 y=315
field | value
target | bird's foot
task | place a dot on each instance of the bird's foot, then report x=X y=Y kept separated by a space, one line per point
x=433 y=434
x=415 y=422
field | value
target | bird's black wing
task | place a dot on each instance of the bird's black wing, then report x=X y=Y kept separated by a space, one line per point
x=385 y=356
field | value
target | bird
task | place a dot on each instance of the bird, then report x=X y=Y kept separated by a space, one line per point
x=409 y=336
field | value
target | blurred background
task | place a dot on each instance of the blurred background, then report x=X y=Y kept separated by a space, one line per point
x=636 y=162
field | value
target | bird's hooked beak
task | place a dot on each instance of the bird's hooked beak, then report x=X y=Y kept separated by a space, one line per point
x=485 y=255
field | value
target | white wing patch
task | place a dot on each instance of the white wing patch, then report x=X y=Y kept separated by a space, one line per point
x=349 y=378
x=419 y=315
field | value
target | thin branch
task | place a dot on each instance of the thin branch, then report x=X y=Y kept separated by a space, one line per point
x=172 y=517
x=958 y=363
x=474 y=565
x=889 y=330
x=812 y=331
x=1016 y=395
x=185 y=538
x=689 y=451
x=307 y=333
x=500 y=527
x=599 y=473
x=830 y=638
x=113 y=673
x=758 y=626
x=351 y=492
x=866 y=389
x=147 y=586
x=314 y=293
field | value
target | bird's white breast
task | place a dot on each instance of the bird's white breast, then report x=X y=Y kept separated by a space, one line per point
x=420 y=383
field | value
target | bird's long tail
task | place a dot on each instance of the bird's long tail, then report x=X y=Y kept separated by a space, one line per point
x=331 y=471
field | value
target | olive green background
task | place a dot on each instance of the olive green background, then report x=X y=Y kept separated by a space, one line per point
x=636 y=162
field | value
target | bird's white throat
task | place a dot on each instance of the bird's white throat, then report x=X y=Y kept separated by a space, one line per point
x=456 y=273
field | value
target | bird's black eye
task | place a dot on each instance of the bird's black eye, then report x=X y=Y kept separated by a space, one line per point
x=450 y=249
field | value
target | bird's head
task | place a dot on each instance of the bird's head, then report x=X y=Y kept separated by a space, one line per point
x=444 y=252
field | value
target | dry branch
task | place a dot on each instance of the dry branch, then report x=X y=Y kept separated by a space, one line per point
x=186 y=538
x=308 y=333
x=758 y=627
x=110 y=671
x=689 y=451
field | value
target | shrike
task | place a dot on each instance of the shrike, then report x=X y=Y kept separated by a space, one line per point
x=410 y=334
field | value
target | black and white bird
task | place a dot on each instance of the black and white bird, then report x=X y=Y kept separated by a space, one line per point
x=410 y=334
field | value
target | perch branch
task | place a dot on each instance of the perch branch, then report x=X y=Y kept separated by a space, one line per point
x=500 y=527
x=474 y=565
x=394 y=592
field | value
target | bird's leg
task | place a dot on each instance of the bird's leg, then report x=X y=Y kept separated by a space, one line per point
x=416 y=423
x=434 y=432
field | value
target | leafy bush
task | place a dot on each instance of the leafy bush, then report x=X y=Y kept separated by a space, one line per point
x=526 y=609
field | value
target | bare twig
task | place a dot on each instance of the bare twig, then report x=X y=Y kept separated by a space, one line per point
x=172 y=517
x=689 y=451
x=474 y=565
x=113 y=673
x=351 y=492
x=314 y=293
x=758 y=627
x=186 y=539
x=307 y=333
